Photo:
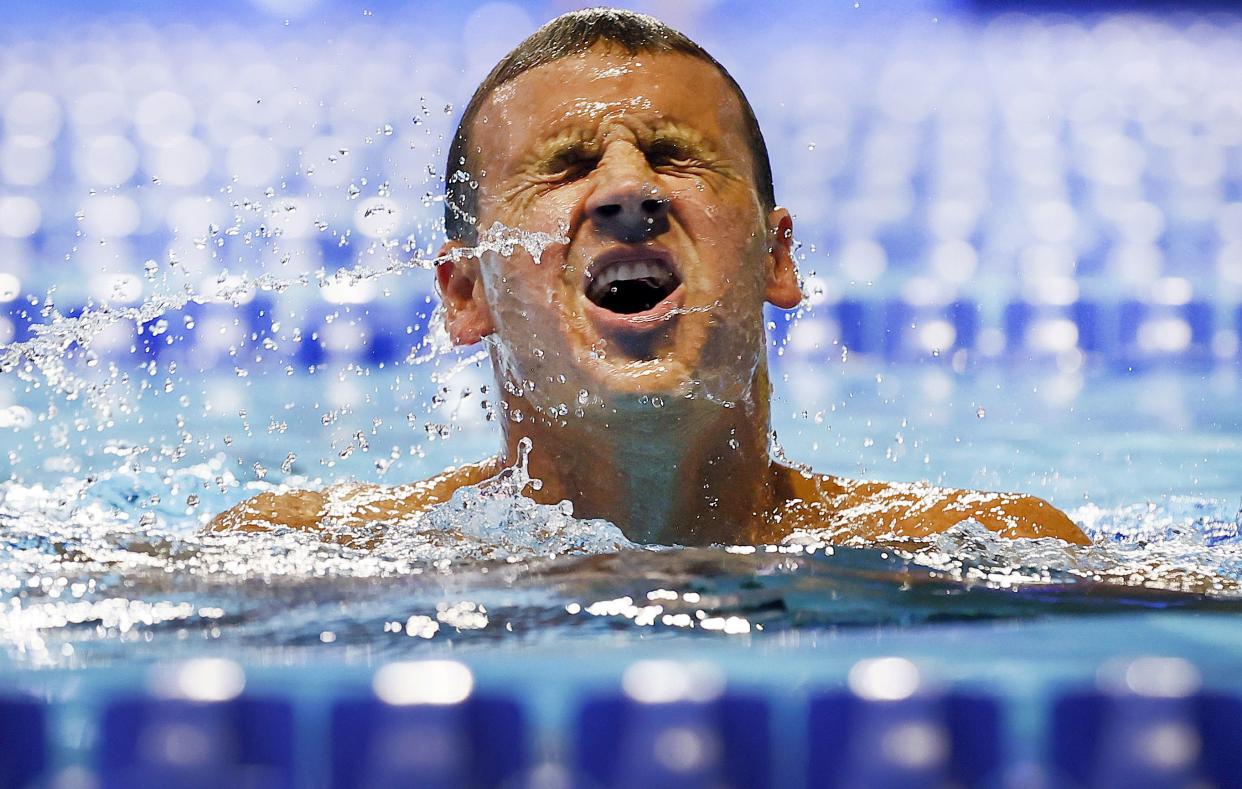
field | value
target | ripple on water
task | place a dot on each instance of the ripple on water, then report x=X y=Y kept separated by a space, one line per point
x=89 y=580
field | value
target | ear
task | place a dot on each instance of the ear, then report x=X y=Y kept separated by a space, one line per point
x=466 y=314
x=782 y=289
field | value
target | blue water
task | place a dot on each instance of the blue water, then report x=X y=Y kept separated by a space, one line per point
x=106 y=563
x=1024 y=228
x=105 y=571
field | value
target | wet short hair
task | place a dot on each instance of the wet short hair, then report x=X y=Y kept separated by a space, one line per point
x=571 y=34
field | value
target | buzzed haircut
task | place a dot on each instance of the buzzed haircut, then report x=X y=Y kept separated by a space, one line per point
x=571 y=34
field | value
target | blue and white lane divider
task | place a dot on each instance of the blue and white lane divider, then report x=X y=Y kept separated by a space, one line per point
x=24 y=747
x=892 y=729
x=1146 y=723
x=673 y=725
x=1124 y=334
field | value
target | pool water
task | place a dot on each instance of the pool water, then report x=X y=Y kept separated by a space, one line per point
x=106 y=559
x=107 y=570
x=1024 y=229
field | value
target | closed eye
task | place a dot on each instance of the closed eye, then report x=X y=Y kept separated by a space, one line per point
x=568 y=163
x=672 y=153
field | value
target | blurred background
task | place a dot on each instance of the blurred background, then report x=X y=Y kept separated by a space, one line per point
x=971 y=181
x=1020 y=230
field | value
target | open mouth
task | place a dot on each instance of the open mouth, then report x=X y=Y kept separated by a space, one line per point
x=627 y=287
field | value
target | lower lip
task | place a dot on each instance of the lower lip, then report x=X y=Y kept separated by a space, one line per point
x=658 y=317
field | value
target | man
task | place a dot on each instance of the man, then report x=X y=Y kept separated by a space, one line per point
x=631 y=353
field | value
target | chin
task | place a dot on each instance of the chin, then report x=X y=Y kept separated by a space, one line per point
x=671 y=381
x=679 y=361
x=647 y=377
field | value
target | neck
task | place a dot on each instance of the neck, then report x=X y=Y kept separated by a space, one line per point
x=688 y=472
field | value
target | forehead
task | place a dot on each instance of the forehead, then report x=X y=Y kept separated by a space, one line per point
x=603 y=85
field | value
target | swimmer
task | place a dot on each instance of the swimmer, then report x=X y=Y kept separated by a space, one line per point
x=632 y=353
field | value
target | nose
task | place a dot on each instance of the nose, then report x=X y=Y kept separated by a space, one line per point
x=630 y=210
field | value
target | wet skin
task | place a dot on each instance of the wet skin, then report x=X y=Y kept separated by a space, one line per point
x=655 y=417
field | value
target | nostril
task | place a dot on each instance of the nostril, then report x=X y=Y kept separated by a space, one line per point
x=654 y=206
x=608 y=210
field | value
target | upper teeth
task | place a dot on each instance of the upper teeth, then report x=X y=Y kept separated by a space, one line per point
x=630 y=269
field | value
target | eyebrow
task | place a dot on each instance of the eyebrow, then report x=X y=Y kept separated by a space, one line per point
x=686 y=138
x=568 y=142
x=578 y=143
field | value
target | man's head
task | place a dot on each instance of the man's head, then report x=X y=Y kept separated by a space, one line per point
x=619 y=133
x=572 y=34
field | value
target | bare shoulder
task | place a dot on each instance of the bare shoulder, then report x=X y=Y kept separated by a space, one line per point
x=310 y=509
x=868 y=510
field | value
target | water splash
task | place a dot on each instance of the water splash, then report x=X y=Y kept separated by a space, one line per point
x=59 y=361
x=1180 y=543
x=501 y=522
x=44 y=354
x=89 y=582
x=100 y=562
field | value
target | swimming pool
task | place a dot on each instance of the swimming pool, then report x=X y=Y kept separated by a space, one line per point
x=1023 y=287
x=107 y=573
x=86 y=540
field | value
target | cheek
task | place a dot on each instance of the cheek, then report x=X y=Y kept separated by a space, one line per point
x=532 y=209
x=520 y=291
x=728 y=234
x=721 y=208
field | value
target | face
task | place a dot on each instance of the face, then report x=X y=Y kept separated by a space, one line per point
x=640 y=165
